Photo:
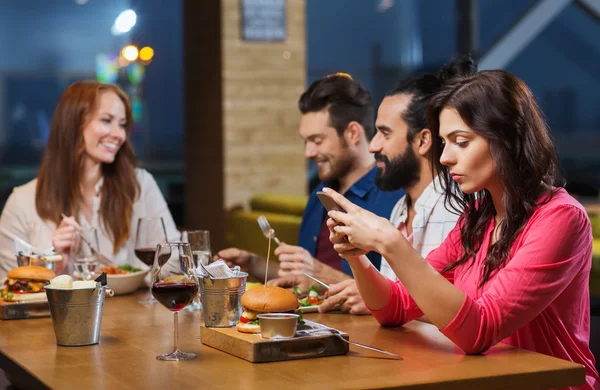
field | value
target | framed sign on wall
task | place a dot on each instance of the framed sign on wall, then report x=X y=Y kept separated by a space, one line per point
x=263 y=20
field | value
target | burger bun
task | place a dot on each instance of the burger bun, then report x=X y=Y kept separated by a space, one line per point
x=31 y=272
x=247 y=328
x=269 y=299
x=27 y=297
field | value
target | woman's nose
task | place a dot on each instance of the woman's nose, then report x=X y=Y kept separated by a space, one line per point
x=117 y=131
x=446 y=158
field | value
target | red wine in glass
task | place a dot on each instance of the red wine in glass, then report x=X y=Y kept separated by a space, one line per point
x=174 y=295
x=174 y=285
x=146 y=255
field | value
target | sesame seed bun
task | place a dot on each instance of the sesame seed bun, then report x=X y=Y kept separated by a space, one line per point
x=31 y=272
x=269 y=299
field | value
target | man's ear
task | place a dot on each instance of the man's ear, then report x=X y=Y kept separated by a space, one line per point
x=353 y=133
x=423 y=141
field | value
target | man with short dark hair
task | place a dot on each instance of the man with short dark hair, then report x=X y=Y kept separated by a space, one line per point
x=337 y=124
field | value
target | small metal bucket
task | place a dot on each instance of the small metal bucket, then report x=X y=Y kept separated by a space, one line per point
x=76 y=314
x=221 y=300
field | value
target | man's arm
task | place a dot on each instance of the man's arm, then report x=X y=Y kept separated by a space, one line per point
x=294 y=260
x=249 y=262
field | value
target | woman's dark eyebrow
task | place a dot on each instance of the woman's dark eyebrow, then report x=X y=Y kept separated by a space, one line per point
x=455 y=132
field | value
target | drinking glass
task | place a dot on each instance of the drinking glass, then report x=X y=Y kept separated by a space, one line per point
x=150 y=232
x=199 y=241
x=174 y=285
x=85 y=259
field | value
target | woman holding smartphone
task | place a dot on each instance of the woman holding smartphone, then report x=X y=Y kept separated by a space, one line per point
x=516 y=267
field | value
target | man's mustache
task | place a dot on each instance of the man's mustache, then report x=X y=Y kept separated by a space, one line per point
x=382 y=158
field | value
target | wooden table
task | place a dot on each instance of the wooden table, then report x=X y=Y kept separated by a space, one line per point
x=133 y=334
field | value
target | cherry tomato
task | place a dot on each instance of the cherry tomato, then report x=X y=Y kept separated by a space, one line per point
x=313 y=300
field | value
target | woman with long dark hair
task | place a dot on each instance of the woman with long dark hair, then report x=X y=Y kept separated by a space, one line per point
x=88 y=173
x=516 y=267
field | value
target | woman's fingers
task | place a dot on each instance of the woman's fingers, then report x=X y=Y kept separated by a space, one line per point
x=331 y=223
x=346 y=247
x=66 y=235
x=340 y=200
x=342 y=230
x=70 y=221
x=339 y=217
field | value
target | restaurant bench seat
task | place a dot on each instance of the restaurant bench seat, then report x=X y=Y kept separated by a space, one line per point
x=284 y=213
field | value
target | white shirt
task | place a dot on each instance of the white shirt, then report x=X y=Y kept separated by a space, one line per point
x=431 y=224
x=20 y=218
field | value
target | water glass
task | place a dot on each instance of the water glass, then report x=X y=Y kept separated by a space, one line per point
x=85 y=259
x=199 y=241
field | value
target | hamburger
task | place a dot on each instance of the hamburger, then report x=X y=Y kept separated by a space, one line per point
x=264 y=299
x=27 y=283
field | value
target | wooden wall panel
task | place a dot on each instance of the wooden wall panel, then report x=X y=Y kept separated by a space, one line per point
x=241 y=131
x=203 y=140
x=261 y=85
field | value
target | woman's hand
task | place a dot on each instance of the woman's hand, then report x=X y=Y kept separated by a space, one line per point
x=66 y=238
x=347 y=296
x=341 y=244
x=357 y=231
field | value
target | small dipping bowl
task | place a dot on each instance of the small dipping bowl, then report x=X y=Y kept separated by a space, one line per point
x=280 y=325
x=25 y=259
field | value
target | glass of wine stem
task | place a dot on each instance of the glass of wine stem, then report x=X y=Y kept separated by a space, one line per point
x=174 y=285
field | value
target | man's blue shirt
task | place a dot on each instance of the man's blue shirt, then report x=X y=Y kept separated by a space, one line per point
x=363 y=193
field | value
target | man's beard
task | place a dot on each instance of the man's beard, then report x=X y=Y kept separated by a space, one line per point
x=338 y=168
x=400 y=172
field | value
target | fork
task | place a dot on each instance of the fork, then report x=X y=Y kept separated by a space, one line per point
x=266 y=228
x=316 y=280
x=100 y=256
x=336 y=332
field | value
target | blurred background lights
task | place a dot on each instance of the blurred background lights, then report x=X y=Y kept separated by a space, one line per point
x=130 y=53
x=146 y=53
x=81 y=2
x=124 y=22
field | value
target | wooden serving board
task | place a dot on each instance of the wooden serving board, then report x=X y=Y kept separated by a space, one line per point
x=255 y=349
x=23 y=310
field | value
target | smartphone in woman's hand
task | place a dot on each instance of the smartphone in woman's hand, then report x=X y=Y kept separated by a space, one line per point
x=328 y=203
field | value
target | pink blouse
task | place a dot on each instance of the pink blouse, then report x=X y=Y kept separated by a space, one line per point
x=538 y=301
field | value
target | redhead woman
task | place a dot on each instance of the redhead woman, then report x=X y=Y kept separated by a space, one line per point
x=88 y=172
x=515 y=269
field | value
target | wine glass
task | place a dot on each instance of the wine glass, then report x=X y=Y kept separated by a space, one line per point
x=85 y=258
x=150 y=232
x=199 y=241
x=174 y=285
